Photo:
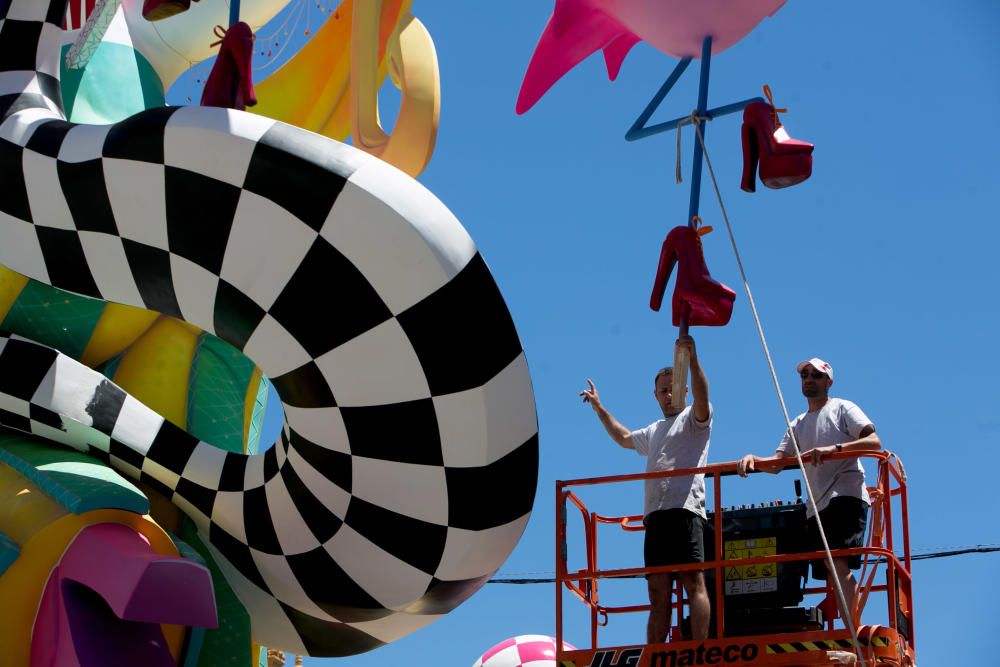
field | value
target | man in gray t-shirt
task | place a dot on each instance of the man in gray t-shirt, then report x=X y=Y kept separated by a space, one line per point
x=674 y=507
x=830 y=425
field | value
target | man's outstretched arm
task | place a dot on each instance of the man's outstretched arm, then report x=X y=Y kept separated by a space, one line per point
x=868 y=441
x=615 y=429
x=751 y=463
x=699 y=382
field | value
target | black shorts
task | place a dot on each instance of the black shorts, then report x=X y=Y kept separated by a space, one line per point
x=674 y=536
x=844 y=522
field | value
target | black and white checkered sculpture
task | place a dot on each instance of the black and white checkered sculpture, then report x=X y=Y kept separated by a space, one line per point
x=406 y=470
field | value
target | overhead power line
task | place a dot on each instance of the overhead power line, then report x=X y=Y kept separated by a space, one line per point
x=960 y=551
x=978 y=549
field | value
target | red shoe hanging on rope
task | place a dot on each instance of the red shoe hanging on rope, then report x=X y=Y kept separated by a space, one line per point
x=705 y=301
x=230 y=84
x=783 y=161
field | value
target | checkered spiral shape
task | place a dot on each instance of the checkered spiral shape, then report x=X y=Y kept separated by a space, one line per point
x=406 y=470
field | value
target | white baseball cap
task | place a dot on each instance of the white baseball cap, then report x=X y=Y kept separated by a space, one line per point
x=818 y=364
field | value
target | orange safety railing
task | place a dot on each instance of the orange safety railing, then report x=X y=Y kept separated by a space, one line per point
x=892 y=644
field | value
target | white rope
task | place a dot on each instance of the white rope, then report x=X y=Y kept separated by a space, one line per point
x=899 y=461
x=841 y=600
x=693 y=118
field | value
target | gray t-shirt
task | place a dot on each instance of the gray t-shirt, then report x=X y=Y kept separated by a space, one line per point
x=836 y=422
x=677 y=442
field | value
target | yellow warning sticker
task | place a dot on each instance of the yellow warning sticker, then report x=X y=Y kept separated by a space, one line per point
x=749 y=571
x=757 y=578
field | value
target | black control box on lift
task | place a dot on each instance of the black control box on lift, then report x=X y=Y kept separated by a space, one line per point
x=762 y=597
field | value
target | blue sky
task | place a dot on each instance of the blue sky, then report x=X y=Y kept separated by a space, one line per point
x=883 y=263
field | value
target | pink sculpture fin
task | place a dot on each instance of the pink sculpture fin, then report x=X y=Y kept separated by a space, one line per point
x=104 y=602
x=615 y=52
x=575 y=30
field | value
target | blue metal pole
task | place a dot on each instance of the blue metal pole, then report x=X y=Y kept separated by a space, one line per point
x=706 y=58
x=234 y=12
x=727 y=109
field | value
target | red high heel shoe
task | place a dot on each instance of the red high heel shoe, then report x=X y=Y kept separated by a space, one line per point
x=783 y=161
x=705 y=301
x=156 y=10
x=230 y=84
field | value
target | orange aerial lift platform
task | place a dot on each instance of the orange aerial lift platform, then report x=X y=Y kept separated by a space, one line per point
x=763 y=611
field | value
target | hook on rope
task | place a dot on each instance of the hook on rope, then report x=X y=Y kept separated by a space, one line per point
x=696 y=225
x=219 y=32
x=774 y=110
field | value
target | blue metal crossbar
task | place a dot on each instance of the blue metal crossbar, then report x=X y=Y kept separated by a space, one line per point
x=640 y=130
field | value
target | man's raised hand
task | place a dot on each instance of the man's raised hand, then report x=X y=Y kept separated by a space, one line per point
x=591 y=396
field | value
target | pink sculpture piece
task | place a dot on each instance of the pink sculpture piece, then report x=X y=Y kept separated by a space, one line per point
x=110 y=584
x=578 y=28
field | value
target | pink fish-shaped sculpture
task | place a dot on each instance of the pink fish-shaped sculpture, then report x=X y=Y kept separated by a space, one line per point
x=578 y=28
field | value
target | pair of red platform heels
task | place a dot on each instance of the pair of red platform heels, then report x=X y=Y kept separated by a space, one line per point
x=783 y=161
x=698 y=298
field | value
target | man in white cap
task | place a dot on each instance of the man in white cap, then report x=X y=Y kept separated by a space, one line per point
x=674 y=509
x=831 y=425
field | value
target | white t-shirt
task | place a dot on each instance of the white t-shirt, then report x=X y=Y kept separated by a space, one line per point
x=677 y=442
x=836 y=422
